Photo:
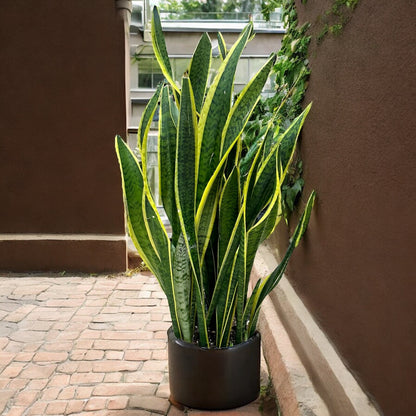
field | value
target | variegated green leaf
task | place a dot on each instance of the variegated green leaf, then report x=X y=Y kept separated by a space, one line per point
x=253 y=323
x=242 y=281
x=288 y=141
x=199 y=70
x=243 y=107
x=225 y=283
x=222 y=47
x=215 y=111
x=159 y=48
x=262 y=229
x=182 y=288
x=154 y=225
x=185 y=188
x=248 y=309
x=145 y=228
x=206 y=216
x=265 y=182
x=264 y=188
x=246 y=162
x=146 y=121
x=167 y=158
x=229 y=313
x=207 y=209
x=270 y=282
x=228 y=212
x=133 y=189
x=186 y=170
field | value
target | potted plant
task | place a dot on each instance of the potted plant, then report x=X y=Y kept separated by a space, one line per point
x=221 y=203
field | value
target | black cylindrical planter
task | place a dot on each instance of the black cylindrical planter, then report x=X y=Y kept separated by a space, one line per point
x=215 y=378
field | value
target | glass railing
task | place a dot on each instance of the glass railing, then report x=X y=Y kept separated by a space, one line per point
x=141 y=14
x=231 y=16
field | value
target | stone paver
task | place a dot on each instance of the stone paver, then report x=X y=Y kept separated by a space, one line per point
x=86 y=345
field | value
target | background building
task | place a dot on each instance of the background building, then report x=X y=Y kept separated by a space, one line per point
x=182 y=33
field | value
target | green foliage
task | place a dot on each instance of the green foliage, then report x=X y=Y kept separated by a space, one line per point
x=292 y=188
x=292 y=72
x=221 y=205
x=335 y=18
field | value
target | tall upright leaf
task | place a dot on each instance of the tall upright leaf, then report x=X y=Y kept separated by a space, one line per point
x=224 y=283
x=215 y=111
x=182 y=288
x=228 y=211
x=222 y=47
x=167 y=160
x=289 y=139
x=133 y=190
x=199 y=70
x=263 y=189
x=186 y=170
x=159 y=48
x=264 y=183
x=270 y=282
x=146 y=120
x=207 y=209
x=145 y=227
x=244 y=105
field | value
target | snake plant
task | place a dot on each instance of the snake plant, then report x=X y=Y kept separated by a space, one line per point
x=221 y=204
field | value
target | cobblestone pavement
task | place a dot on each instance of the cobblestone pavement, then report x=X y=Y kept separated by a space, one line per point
x=93 y=345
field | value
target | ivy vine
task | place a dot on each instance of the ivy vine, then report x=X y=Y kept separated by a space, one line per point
x=292 y=73
x=336 y=17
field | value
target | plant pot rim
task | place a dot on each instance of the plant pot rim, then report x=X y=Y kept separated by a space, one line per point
x=191 y=345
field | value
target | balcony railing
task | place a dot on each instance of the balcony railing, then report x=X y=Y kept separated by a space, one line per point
x=223 y=21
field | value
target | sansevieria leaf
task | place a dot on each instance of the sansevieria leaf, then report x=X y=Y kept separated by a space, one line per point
x=133 y=190
x=244 y=105
x=167 y=160
x=222 y=47
x=185 y=188
x=228 y=212
x=207 y=209
x=182 y=288
x=225 y=283
x=215 y=111
x=159 y=48
x=270 y=282
x=186 y=170
x=199 y=70
x=289 y=139
x=145 y=227
x=146 y=121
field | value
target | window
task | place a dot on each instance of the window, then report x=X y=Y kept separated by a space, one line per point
x=149 y=72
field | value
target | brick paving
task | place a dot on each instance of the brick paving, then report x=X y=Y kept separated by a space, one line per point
x=89 y=345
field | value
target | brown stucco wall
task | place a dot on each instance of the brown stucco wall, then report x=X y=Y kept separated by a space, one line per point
x=62 y=101
x=355 y=269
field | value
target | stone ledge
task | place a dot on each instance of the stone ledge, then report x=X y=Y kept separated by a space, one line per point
x=308 y=375
x=77 y=254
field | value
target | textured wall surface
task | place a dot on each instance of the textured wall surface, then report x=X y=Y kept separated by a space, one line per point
x=62 y=102
x=355 y=269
